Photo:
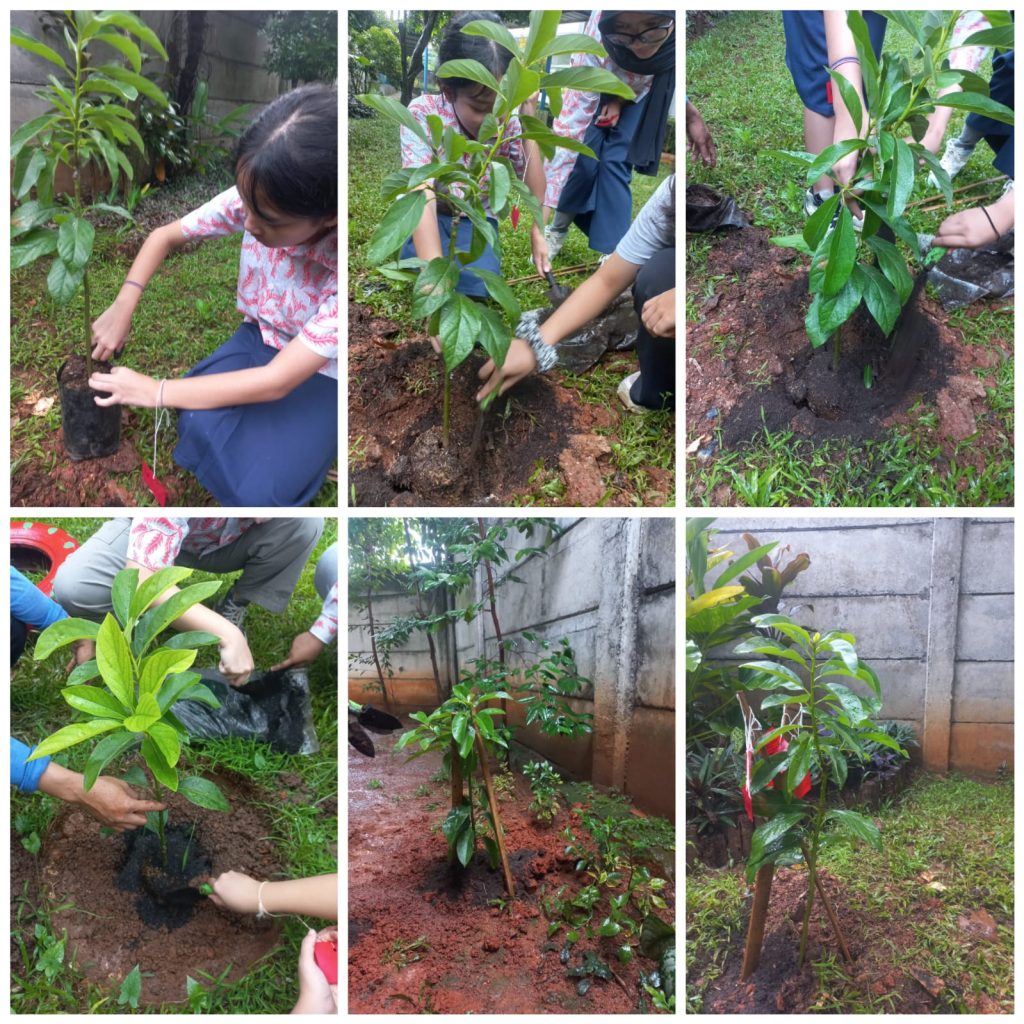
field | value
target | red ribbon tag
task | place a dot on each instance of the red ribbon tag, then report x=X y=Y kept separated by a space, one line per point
x=828 y=90
x=514 y=216
x=326 y=956
x=157 y=489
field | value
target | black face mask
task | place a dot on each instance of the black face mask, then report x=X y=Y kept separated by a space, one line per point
x=645 y=149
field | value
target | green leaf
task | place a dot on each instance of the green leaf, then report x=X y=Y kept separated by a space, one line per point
x=128 y=23
x=131 y=989
x=93 y=701
x=148 y=89
x=471 y=69
x=124 y=46
x=842 y=254
x=104 y=752
x=831 y=155
x=464 y=846
x=800 y=763
x=162 y=771
x=768 y=840
x=868 y=62
x=493 y=31
x=458 y=329
x=856 y=825
x=793 y=242
x=72 y=734
x=23 y=40
x=571 y=42
x=203 y=793
x=435 y=287
x=851 y=703
x=882 y=301
x=765 y=645
x=114 y=660
x=818 y=223
x=167 y=740
x=839 y=766
x=499 y=290
x=456 y=820
x=121 y=593
x=38 y=242
x=495 y=335
x=851 y=98
x=397 y=225
x=908 y=22
x=609 y=927
x=460 y=723
x=776 y=671
x=892 y=266
x=63 y=281
x=845 y=650
x=144 y=594
x=1000 y=38
x=30 y=129
x=178 y=687
x=146 y=713
x=157 y=619
x=493 y=853
x=902 y=179
x=587 y=79
x=395 y=112
x=84 y=672
x=501 y=183
x=884 y=739
x=191 y=638
x=31 y=215
x=543 y=29
x=30 y=164
x=160 y=664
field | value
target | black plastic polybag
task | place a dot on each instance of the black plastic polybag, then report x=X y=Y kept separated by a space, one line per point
x=707 y=209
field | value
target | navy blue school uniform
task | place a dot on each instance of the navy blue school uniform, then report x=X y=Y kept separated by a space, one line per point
x=469 y=283
x=998 y=135
x=267 y=453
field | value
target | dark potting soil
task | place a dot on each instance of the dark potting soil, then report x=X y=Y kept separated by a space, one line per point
x=779 y=985
x=749 y=364
x=477 y=958
x=394 y=428
x=114 y=923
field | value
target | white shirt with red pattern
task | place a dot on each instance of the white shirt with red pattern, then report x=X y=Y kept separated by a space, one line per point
x=968 y=58
x=416 y=153
x=156 y=542
x=288 y=292
x=578 y=109
x=325 y=629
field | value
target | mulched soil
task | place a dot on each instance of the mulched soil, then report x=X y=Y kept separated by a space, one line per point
x=477 y=959
x=394 y=432
x=85 y=878
x=768 y=375
x=778 y=985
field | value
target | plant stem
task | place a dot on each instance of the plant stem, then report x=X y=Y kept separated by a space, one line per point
x=819 y=817
x=830 y=910
x=498 y=833
x=444 y=407
x=161 y=820
x=497 y=625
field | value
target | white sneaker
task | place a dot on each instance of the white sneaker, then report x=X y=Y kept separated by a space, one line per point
x=955 y=157
x=555 y=240
x=623 y=390
x=813 y=200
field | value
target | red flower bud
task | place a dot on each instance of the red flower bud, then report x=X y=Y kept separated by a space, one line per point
x=515 y=217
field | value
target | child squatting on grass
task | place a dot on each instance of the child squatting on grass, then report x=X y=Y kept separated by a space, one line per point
x=463 y=104
x=645 y=259
x=258 y=424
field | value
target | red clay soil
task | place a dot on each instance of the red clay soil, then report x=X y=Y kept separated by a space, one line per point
x=780 y=986
x=77 y=873
x=394 y=416
x=477 y=959
x=748 y=363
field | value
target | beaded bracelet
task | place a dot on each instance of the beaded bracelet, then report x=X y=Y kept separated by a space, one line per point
x=844 y=60
x=529 y=331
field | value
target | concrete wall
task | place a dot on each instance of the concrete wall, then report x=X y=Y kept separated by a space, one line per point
x=231 y=63
x=621 y=625
x=930 y=602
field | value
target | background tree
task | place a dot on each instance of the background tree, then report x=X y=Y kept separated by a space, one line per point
x=302 y=46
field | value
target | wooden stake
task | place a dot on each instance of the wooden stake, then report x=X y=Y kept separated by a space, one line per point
x=555 y=273
x=925 y=202
x=498 y=834
x=758 y=917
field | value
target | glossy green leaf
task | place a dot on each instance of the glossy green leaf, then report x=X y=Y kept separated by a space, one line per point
x=500 y=185
x=124 y=46
x=459 y=329
x=84 y=672
x=543 y=30
x=128 y=23
x=771 y=839
x=587 y=79
x=893 y=267
x=830 y=156
x=114 y=660
x=817 y=225
x=163 y=662
x=856 y=825
x=776 y=671
x=167 y=740
x=177 y=687
x=157 y=619
x=793 y=242
x=63 y=281
x=902 y=179
x=851 y=704
x=842 y=254
x=572 y=42
x=470 y=69
x=30 y=247
x=104 y=752
x=148 y=88
x=494 y=31
x=868 y=61
x=464 y=846
x=147 y=712
x=203 y=793
x=30 y=164
x=800 y=762
x=499 y=290
x=436 y=287
x=72 y=734
x=880 y=297
x=125 y=583
x=145 y=593
x=784 y=625
x=164 y=773
x=190 y=638
x=495 y=335
x=851 y=98
x=999 y=37
x=401 y=219
x=21 y=39
x=519 y=84
x=884 y=739
x=93 y=700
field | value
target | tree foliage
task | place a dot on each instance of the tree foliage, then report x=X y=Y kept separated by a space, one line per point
x=302 y=46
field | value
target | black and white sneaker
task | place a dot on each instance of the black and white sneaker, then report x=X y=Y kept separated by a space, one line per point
x=813 y=201
x=232 y=610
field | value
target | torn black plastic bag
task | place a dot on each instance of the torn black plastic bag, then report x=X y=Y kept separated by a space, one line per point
x=707 y=210
x=273 y=707
x=963 y=276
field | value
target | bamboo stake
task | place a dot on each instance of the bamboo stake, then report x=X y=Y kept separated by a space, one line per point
x=555 y=273
x=926 y=200
x=498 y=833
x=758 y=918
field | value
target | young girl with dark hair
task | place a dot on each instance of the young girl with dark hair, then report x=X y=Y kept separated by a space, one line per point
x=258 y=421
x=463 y=104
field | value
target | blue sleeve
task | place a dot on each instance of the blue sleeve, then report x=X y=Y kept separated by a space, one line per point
x=30 y=605
x=25 y=774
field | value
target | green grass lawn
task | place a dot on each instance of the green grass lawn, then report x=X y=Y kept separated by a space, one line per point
x=959 y=830
x=188 y=311
x=307 y=839
x=373 y=153
x=737 y=78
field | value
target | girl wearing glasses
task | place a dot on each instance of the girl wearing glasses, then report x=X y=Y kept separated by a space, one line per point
x=595 y=194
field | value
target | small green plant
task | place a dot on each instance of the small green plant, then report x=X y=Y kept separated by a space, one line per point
x=458 y=321
x=847 y=269
x=89 y=120
x=422 y=790
x=544 y=783
x=505 y=784
x=49 y=952
x=131 y=989
x=140 y=686
x=403 y=952
x=375 y=784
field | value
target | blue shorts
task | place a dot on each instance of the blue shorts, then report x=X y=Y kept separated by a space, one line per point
x=469 y=283
x=998 y=135
x=268 y=453
x=807 y=54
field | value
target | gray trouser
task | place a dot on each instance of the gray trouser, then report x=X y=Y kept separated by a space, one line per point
x=326 y=574
x=271 y=556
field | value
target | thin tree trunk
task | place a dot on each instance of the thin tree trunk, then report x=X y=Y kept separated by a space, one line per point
x=409 y=71
x=758 y=917
x=498 y=833
x=373 y=648
x=497 y=625
x=830 y=910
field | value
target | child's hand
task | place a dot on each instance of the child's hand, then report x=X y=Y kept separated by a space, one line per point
x=699 y=143
x=236 y=891
x=125 y=387
x=236 y=662
x=110 y=330
x=539 y=245
x=305 y=649
x=608 y=115
x=316 y=994
x=114 y=803
x=659 y=314
x=529 y=106
x=967 y=230
x=520 y=362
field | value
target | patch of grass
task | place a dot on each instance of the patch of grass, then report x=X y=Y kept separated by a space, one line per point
x=375 y=784
x=304 y=832
x=714 y=914
x=403 y=952
x=776 y=470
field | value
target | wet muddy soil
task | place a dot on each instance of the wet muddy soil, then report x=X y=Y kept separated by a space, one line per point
x=749 y=365
x=474 y=957
x=394 y=412
x=99 y=890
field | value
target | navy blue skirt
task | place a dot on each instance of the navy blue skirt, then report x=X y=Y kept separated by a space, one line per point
x=270 y=453
x=469 y=283
x=598 y=193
